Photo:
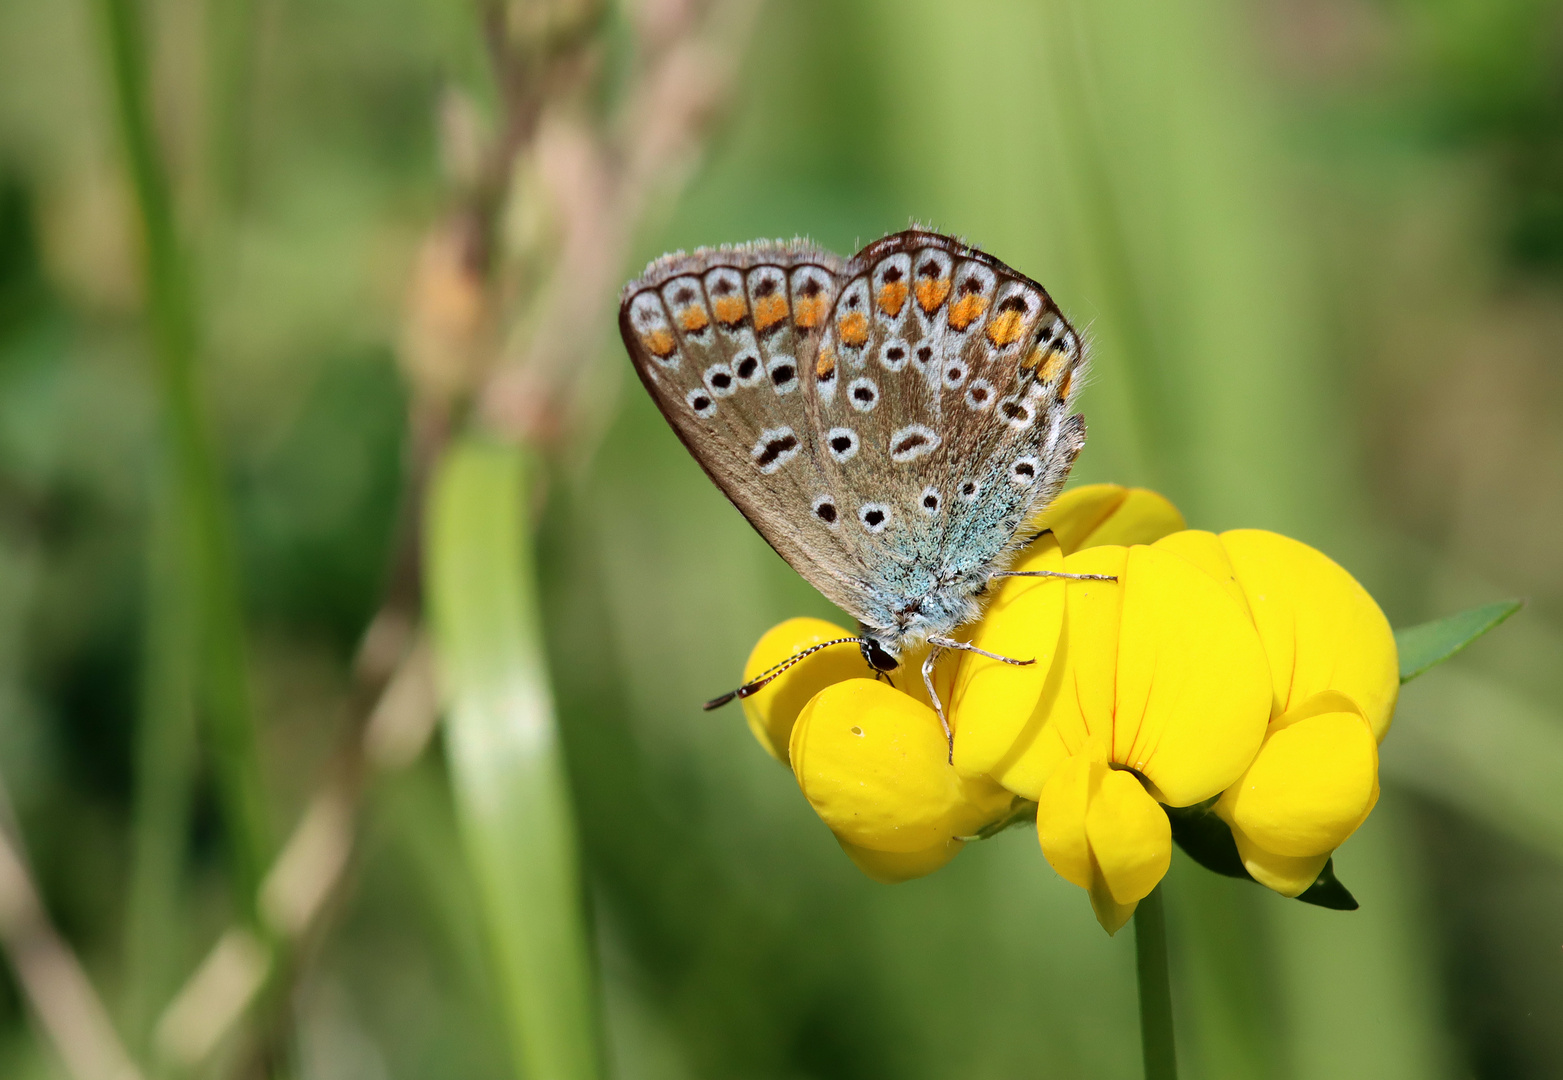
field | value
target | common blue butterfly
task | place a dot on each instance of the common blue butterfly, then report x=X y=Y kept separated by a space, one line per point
x=888 y=422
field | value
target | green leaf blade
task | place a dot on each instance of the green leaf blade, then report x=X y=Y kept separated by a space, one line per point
x=1431 y=643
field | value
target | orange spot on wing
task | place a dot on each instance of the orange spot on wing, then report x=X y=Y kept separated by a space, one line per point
x=729 y=310
x=694 y=318
x=1005 y=329
x=854 y=329
x=966 y=309
x=1055 y=363
x=1065 y=386
x=892 y=296
x=658 y=342
x=826 y=363
x=807 y=311
x=931 y=292
x=768 y=311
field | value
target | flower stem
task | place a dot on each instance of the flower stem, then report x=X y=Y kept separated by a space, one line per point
x=1150 y=950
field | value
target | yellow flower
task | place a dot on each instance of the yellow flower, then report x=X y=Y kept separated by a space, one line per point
x=1245 y=673
x=1335 y=679
x=1158 y=692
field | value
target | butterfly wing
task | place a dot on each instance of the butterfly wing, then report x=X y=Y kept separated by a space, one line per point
x=725 y=342
x=941 y=405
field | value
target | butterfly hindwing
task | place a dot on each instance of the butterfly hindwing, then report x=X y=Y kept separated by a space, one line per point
x=947 y=425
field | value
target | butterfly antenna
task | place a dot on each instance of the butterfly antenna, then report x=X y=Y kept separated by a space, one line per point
x=760 y=681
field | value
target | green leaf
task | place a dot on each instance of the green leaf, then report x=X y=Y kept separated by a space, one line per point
x=1205 y=838
x=1327 y=891
x=1021 y=812
x=1431 y=643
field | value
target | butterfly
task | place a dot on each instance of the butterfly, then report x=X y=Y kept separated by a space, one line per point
x=888 y=423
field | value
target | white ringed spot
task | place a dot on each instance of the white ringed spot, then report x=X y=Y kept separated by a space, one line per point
x=842 y=442
x=774 y=448
x=864 y=394
x=783 y=371
x=874 y=516
x=720 y=381
x=1023 y=473
x=912 y=442
x=1017 y=414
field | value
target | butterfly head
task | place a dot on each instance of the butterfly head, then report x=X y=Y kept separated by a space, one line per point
x=878 y=656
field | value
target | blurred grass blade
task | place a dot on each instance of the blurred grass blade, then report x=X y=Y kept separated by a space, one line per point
x=510 y=788
x=210 y=561
x=165 y=762
x=1431 y=643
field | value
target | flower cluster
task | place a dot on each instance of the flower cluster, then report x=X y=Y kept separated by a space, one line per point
x=1241 y=677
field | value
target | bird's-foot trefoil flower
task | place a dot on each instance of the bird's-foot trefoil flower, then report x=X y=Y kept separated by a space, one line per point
x=1231 y=686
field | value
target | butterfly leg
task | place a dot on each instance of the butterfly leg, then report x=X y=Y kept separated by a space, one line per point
x=1051 y=573
x=933 y=695
x=939 y=645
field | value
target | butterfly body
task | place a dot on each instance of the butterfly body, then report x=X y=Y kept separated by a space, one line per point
x=888 y=422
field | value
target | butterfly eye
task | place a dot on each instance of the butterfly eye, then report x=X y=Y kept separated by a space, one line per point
x=969 y=491
x=929 y=502
x=955 y=374
x=701 y=402
x=825 y=510
x=874 y=516
x=979 y=395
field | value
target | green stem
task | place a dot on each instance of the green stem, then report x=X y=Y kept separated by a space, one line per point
x=222 y=685
x=1150 y=952
x=512 y=796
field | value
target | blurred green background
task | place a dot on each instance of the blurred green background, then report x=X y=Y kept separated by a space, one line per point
x=1318 y=248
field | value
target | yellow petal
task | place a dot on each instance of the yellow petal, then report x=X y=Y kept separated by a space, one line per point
x=1077 y=513
x=1205 y=550
x=1192 y=684
x=1079 y=691
x=894 y=867
x=772 y=711
x=874 y=764
x=991 y=700
x=983 y=803
x=1097 y=514
x=1061 y=811
x=1130 y=836
x=1287 y=874
x=1312 y=783
x=1142 y=518
x=1321 y=629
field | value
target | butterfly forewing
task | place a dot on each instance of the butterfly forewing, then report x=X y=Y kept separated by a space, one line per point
x=724 y=341
x=887 y=423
